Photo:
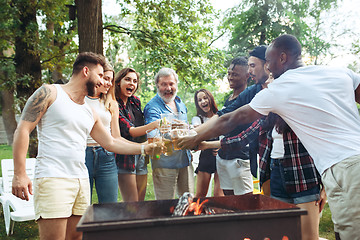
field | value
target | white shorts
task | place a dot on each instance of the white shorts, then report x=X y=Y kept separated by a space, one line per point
x=60 y=197
x=235 y=175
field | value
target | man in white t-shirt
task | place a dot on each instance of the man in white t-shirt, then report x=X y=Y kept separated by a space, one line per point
x=318 y=103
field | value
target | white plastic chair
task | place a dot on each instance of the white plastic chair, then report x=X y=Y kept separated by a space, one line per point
x=15 y=209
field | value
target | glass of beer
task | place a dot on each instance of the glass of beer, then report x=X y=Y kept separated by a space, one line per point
x=179 y=130
x=154 y=136
x=175 y=137
x=166 y=121
x=168 y=143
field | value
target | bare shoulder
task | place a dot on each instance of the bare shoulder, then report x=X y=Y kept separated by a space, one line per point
x=114 y=108
x=39 y=102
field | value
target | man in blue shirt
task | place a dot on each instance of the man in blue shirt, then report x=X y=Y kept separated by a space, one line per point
x=172 y=172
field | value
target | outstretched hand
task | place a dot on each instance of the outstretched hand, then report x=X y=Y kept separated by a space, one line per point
x=150 y=147
x=215 y=145
x=22 y=186
x=188 y=142
x=156 y=124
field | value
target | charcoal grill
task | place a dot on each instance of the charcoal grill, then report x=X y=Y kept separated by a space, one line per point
x=250 y=216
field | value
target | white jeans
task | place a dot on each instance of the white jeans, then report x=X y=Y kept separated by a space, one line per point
x=342 y=187
x=235 y=175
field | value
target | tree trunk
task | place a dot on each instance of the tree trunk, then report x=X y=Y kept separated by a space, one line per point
x=8 y=114
x=56 y=71
x=90 y=26
x=7 y=99
x=27 y=57
x=264 y=22
x=100 y=37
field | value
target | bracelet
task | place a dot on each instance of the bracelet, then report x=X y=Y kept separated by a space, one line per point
x=143 y=150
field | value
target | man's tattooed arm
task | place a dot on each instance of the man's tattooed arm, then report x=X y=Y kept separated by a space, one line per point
x=36 y=104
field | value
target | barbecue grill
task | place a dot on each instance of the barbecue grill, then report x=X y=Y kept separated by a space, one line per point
x=254 y=217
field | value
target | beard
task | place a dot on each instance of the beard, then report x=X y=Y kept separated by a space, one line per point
x=90 y=87
x=165 y=98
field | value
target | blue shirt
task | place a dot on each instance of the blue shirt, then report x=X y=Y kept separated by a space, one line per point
x=152 y=112
x=244 y=98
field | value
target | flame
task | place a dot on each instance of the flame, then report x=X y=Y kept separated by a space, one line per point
x=195 y=207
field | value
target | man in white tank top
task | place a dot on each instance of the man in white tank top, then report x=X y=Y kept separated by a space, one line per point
x=64 y=120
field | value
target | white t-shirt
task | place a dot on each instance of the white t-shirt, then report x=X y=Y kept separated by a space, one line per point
x=318 y=103
x=196 y=121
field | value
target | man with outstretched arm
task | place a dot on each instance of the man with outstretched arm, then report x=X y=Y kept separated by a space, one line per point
x=319 y=106
x=233 y=167
x=258 y=72
x=64 y=120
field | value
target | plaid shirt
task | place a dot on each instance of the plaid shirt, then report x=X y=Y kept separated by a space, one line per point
x=300 y=173
x=126 y=121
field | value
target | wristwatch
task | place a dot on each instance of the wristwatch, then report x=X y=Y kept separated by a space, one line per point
x=143 y=150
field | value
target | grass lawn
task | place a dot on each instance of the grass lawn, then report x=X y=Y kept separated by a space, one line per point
x=29 y=229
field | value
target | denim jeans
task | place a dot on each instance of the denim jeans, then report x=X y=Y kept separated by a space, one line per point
x=278 y=189
x=140 y=167
x=102 y=168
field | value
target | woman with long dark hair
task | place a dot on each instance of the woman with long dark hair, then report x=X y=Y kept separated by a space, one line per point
x=205 y=109
x=132 y=169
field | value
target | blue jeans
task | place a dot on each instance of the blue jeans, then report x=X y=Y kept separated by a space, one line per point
x=278 y=189
x=102 y=168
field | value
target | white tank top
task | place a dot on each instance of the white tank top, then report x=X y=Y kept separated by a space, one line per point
x=62 y=134
x=104 y=115
x=277 y=150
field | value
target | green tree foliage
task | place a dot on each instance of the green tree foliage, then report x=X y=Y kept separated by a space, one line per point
x=255 y=22
x=57 y=34
x=35 y=35
x=355 y=50
x=46 y=34
x=314 y=40
x=169 y=33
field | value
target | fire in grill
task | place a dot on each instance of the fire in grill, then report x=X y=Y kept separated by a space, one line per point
x=254 y=217
x=187 y=206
